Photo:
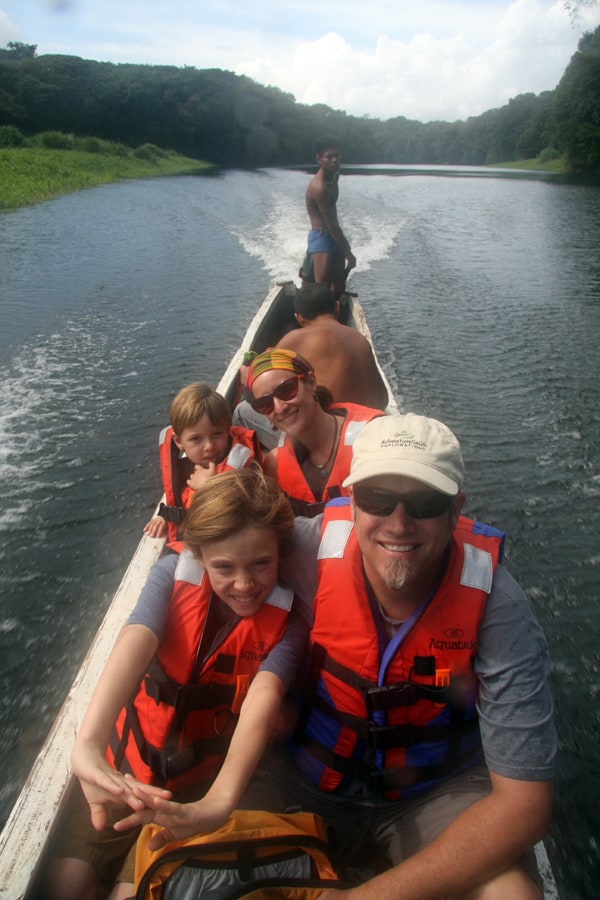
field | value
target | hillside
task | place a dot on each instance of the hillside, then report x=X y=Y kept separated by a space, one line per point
x=231 y=120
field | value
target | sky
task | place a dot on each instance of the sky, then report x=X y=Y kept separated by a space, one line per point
x=422 y=59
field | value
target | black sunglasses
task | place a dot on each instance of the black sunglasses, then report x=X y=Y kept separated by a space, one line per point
x=418 y=504
x=287 y=390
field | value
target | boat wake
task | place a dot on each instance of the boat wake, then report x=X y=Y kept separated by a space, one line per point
x=279 y=238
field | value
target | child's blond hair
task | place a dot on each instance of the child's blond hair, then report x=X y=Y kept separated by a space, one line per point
x=232 y=501
x=194 y=401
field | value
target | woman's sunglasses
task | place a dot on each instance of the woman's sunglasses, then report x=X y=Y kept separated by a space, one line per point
x=287 y=390
x=418 y=504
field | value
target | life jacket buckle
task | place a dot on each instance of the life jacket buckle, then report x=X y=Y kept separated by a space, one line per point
x=391 y=695
x=171 y=765
x=442 y=680
x=383 y=737
x=171 y=513
x=384 y=780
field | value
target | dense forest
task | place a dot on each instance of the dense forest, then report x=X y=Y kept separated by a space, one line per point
x=231 y=120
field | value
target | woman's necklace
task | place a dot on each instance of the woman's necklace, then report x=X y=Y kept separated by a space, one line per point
x=323 y=469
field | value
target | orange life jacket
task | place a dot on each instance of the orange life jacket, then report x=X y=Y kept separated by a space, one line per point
x=291 y=478
x=400 y=714
x=177 y=727
x=244 y=450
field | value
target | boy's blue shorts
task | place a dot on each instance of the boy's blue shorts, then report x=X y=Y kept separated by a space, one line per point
x=320 y=241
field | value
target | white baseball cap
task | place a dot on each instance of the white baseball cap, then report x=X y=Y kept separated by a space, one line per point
x=409 y=445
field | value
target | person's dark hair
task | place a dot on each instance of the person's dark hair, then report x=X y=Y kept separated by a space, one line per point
x=327 y=142
x=323 y=396
x=314 y=300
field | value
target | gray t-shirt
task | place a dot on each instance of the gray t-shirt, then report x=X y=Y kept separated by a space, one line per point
x=515 y=704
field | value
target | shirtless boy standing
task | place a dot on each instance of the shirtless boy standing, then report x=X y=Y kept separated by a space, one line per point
x=326 y=242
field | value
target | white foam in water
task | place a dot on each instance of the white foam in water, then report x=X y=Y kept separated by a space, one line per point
x=280 y=240
x=375 y=239
x=51 y=393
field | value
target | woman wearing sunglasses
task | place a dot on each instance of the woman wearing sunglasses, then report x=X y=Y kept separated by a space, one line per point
x=314 y=457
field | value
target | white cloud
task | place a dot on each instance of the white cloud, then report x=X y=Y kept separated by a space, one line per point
x=432 y=59
x=8 y=31
x=442 y=73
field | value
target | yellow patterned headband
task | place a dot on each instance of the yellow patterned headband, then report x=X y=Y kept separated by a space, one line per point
x=288 y=360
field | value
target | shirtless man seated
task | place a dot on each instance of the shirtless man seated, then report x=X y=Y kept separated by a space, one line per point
x=342 y=358
x=326 y=241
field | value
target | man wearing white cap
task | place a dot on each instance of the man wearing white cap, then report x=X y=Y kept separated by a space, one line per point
x=424 y=734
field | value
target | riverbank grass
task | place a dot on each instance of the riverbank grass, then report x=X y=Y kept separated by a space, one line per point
x=539 y=164
x=33 y=174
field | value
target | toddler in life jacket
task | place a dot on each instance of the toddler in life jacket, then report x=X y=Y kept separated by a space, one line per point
x=200 y=442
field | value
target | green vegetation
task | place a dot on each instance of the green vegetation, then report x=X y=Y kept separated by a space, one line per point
x=539 y=164
x=52 y=163
x=231 y=120
x=576 y=107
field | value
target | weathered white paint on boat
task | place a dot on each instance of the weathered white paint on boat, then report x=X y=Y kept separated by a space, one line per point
x=546 y=873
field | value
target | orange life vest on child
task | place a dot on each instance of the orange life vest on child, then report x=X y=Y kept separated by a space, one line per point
x=176 y=469
x=176 y=729
x=400 y=714
x=291 y=478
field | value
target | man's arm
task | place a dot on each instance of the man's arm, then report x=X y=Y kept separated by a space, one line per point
x=483 y=843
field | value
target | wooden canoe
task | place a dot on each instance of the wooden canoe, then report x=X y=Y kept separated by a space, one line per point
x=37 y=811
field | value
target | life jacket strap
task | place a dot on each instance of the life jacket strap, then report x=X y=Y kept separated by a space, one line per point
x=185 y=698
x=385 y=697
x=340 y=671
x=386 y=737
x=305 y=508
x=169 y=764
x=174 y=514
x=310 y=509
x=384 y=780
x=404 y=693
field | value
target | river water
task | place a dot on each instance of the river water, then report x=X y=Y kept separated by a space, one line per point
x=483 y=296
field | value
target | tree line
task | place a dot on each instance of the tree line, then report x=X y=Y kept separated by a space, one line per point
x=230 y=120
